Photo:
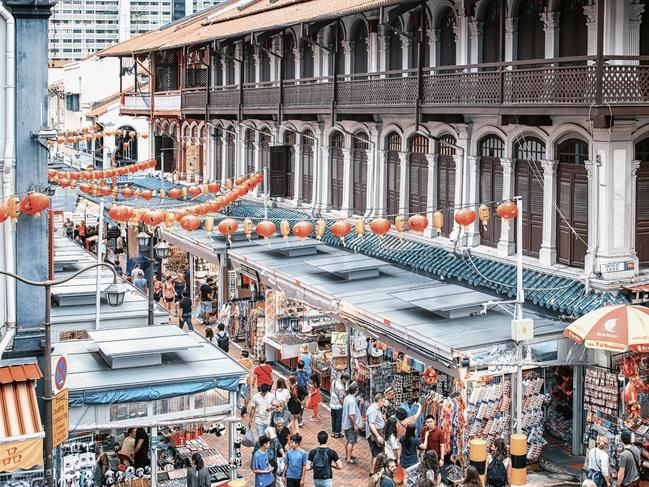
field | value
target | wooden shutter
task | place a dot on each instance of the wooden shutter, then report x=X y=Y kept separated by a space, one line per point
x=529 y=185
x=492 y=148
x=264 y=141
x=447 y=39
x=359 y=169
x=307 y=167
x=418 y=175
x=278 y=160
x=250 y=152
x=531 y=35
x=573 y=31
x=359 y=60
x=642 y=203
x=337 y=170
x=393 y=175
x=218 y=159
x=231 y=156
x=289 y=140
x=446 y=184
x=491 y=33
x=644 y=36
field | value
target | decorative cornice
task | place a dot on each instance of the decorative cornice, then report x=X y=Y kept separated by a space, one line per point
x=635 y=11
x=591 y=13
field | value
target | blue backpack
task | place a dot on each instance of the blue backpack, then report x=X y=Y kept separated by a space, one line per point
x=302 y=378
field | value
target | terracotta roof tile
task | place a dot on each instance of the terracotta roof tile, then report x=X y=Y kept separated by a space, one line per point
x=18 y=409
x=19 y=373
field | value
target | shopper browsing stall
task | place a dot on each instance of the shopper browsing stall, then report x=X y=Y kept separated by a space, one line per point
x=127 y=452
x=336 y=405
x=374 y=425
x=432 y=437
x=628 y=474
x=351 y=422
x=498 y=468
x=263 y=374
x=260 y=464
x=185 y=306
x=409 y=446
x=260 y=409
x=597 y=463
x=392 y=447
x=206 y=291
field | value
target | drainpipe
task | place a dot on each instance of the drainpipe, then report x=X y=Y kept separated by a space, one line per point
x=9 y=162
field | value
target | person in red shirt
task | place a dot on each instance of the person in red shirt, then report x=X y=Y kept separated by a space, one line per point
x=263 y=373
x=432 y=438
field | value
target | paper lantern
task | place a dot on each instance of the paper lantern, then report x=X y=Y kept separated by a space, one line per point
x=84 y=188
x=194 y=191
x=228 y=183
x=184 y=193
x=227 y=227
x=34 y=204
x=208 y=224
x=124 y=145
x=108 y=133
x=400 y=224
x=51 y=173
x=132 y=134
x=302 y=230
x=380 y=226
x=13 y=207
x=438 y=221
x=105 y=190
x=144 y=135
x=64 y=183
x=4 y=214
x=213 y=187
x=127 y=192
x=341 y=229
x=266 y=229
x=320 y=228
x=418 y=223
x=147 y=194
x=85 y=129
x=285 y=229
x=247 y=227
x=162 y=194
x=507 y=210
x=115 y=213
x=190 y=223
x=359 y=226
x=239 y=181
x=465 y=217
x=175 y=193
x=484 y=214
x=170 y=219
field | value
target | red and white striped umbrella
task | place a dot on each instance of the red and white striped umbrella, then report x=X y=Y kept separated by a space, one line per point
x=616 y=328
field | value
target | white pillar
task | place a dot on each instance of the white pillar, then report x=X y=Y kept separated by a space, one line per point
x=347 y=52
x=373 y=52
x=348 y=183
x=633 y=31
x=297 y=55
x=635 y=165
x=432 y=37
x=506 y=244
x=591 y=21
x=551 y=28
x=431 y=192
x=324 y=182
x=257 y=60
x=238 y=49
x=406 y=43
x=511 y=38
x=274 y=64
x=592 y=170
x=383 y=41
x=475 y=41
x=317 y=73
x=298 y=150
x=404 y=179
x=461 y=37
x=382 y=186
x=473 y=193
x=548 y=251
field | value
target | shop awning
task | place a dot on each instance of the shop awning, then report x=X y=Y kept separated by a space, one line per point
x=21 y=433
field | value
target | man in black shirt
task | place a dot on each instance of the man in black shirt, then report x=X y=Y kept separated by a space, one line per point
x=206 y=301
x=185 y=306
x=321 y=460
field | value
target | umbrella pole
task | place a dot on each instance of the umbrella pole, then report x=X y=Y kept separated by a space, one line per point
x=520 y=299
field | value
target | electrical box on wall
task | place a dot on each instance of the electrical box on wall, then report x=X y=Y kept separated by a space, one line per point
x=522 y=329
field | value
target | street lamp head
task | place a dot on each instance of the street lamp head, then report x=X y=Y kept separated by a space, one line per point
x=143 y=239
x=115 y=294
x=161 y=250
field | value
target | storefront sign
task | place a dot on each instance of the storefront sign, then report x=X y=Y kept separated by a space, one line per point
x=249 y=272
x=192 y=159
x=21 y=455
x=60 y=376
x=232 y=284
x=616 y=267
x=338 y=337
x=60 y=418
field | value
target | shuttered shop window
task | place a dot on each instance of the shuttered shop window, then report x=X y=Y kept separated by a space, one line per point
x=529 y=185
x=446 y=182
x=492 y=148
x=289 y=139
x=642 y=203
x=337 y=170
x=393 y=174
x=218 y=155
x=360 y=173
x=531 y=36
x=418 y=174
x=307 y=166
x=231 y=152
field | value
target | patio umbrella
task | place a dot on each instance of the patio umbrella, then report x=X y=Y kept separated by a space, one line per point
x=617 y=328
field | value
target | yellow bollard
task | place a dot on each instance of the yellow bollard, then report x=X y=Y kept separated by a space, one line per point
x=237 y=483
x=519 y=459
x=478 y=456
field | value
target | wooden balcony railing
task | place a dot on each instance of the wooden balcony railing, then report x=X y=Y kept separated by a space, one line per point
x=562 y=82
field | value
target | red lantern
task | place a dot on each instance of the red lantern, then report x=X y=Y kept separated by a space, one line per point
x=84 y=188
x=127 y=192
x=4 y=214
x=194 y=191
x=175 y=193
x=153 y=218
x=51 y=173
x=105 y=190
x=190 y=223
x=115 y=213
x=147 y=194
x=507 y=210
x=484 y=214
x=239 y=180
x=64 y=183
x=13 y=207
x=465 y=217
x=265 y=229
x=34 y=203
x=228 y=226
x=380 y=226
x=341 y=229
x=118 y=132
x=418 y=223
x=213 y=187
x=122 y=171
x=302 y=230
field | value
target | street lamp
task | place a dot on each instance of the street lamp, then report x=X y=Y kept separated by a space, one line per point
x=161 y=250
x=114 y=296
x=157 y=252
x=143 y=239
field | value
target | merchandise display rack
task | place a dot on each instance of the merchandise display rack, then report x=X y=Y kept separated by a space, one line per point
x=533 y=415
x=488 y=410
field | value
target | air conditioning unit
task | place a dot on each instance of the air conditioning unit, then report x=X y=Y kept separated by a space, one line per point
x=522 y=329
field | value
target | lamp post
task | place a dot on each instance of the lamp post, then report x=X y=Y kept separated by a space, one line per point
x=156 y=252
x=114 y=296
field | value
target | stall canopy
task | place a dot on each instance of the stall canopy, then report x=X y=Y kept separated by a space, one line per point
x=21 y=433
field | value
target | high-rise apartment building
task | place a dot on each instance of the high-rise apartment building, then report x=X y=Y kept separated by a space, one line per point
x=81 y=27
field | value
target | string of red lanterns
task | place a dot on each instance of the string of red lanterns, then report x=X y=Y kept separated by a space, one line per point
x=89 y=133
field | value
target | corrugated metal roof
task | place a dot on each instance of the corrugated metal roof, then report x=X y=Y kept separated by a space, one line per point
x=557 y=293
x=19 y=373
x=18 y=409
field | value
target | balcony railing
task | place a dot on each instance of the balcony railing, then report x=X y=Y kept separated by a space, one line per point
x=141 y=102
x=566 y=82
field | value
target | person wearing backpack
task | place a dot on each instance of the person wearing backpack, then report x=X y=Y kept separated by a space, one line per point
x=498 y=465
x=628 y=475
x=302 y=377
x=296 y=459
x=321 y=460
x=222 y=338
x=597 y=463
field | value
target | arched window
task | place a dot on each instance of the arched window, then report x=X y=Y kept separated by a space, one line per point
x=265 y=61
x=491 y=35
x=308 y=61
x=249 y=142
x=359 y=46
x=334 y=42
x=531 y=35
x=573 y=30
x=395 y=49
x=418 y=175
x=414 y=28
x=447 y=46
x=218 y=154
x=248 y=63
x=125 y=146
x=289 y=56
x=289 y=139
x=359 y=170
x=229 y=140
x=572 y=201
x=529 y=151
x=307 y=165
x=337 y=172
x=229 y=67
x=393 y=173
x=491 y=148
x=446 y=181
x=642 y=203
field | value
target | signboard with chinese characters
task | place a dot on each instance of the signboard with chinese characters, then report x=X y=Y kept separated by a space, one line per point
x=60 y=418
x=21 y=455
x=193 y=159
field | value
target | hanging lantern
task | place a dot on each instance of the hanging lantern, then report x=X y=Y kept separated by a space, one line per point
x=359 y=226
x=144 y=135
x=132 y=134
x=341 y=229
x=13 y=207
x=64 y=183
x=438 y=221
x=152 y=218
x=118 y=132
x=400 y=225
x=162 y=194
x=418 y=223
x=115 y=191
x=213 y=187
x=127 y=192
x=285 y=229
x=227 y=227
x=84 y=188
x=247 y=228
x=190 y=223
x=60 y=140
x=194 y=191
x=108 y=133
x=320 y=228
x=34 y=204
x=115 y=213
x=175 y=193
x=85 y=129
x=266 y=229
x=465 y=217
x=302 y=230
x=228 y=183
x=184 y=192
x=483 y=214
x=147 y=194
x=51 y=173
x=507 y=210
x=4 y=214
x=380 y=226
x=105 y=190
x=170 y=219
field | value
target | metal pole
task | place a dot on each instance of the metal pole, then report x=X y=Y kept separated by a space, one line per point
x=232 y=432
x=265 y=170
x=520 y=299
x=154 y=456
x=151 y=274
x=100 y=240
x=162 y=168
x=47 y=357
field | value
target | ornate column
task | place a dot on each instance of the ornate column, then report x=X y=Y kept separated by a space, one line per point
x=224 y=70
x=347 y=52
x=432 y=36
x=593 y=216
x=511 y=38
x=635 y=165
x=406 y=43
x=473 y=193
x=383 y=45
x=633 y=39
x=324 y=183
x=274 y=62
x=551 y=27
x=238 y=50
x=431 y=192
x=548 y=251
x=298 y=150
x=298 y=54
x=224 y=157
x=506 y=244
x=382 y=186
x=372 y=171
x=460 y=31
x=475 y=41
x=257 y=60
x=317 y=72
x=404 y=178
x=348 y=183
x=591 y=22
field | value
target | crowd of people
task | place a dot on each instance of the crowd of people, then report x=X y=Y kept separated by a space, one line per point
x=631 y=462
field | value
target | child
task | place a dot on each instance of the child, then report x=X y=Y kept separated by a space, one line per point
x=314 y=397
x=295 y=462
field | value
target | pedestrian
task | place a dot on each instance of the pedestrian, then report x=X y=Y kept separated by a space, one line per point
x=169 y=294
x=295 y=463
x=409 y=446
x=179 y=287
x=275 y=450
x=263 y=374
x=588 y=483
x=597 y=463
x=471 y=477
x=303 y=383
x=260 y=465
x=279 y=411
x=244 y=392
x=432 y=437
x=628 y=474
x=199 y=476
x=222 y=338
x=374 y=426
x=260 y=409
x=351 y=422
x=389 y=408
x=404 y=420
x=314 y=397
x=83 y=233
x=68 y=226
x=157 y=288
x=185 y=306
x=377 y=472
x=321 y=460
x=281 y=391
x=206 y=291
x=119 y=245
x=307 y=359
x=387 y=476
x=337 y=397
x=294 y=404
x=140 y=282
x=135 y=271
x=126 y=453
x=498 y=465
x=282 y=431
x=392 y=447
x=141 y=452
x=427 y=470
